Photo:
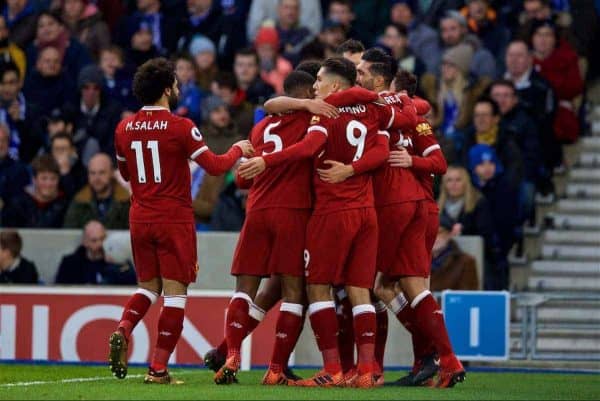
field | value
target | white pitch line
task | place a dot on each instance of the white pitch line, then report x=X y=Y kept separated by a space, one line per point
x=78 y=380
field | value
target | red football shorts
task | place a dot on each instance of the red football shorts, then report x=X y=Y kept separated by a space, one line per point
x=166 y=250
x=402 y=251
x=433 y=225
x=271 y=242
x=341 y=248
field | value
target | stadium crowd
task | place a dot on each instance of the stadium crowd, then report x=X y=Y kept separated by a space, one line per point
x=505 y=80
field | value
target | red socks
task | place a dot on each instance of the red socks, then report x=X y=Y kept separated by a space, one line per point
x=381 y=318
x=346 y=334
x=236 y=327
x=170 y=325
x=255 y=316
x=365 y=327
x=325 y=326
x=135 y=310
x=430 y=321
x=287 y=331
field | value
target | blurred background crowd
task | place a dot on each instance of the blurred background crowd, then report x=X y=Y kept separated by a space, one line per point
x=506 y=80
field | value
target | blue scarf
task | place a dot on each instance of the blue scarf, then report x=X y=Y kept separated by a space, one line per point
x=15 y=136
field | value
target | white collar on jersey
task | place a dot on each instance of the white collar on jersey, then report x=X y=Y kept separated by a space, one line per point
x=154 y=108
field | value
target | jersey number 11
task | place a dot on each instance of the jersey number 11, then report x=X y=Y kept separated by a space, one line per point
x=139 y=160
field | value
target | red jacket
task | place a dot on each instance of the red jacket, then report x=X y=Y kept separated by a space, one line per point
x=561 y=69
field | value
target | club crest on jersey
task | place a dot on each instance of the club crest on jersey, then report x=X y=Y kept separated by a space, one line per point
x=424 y=129
x=315 y=120
x=196 y=134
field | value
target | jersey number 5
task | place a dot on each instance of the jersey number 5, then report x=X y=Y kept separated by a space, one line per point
x=139 y=160
x=357 y=141
x=276 y=139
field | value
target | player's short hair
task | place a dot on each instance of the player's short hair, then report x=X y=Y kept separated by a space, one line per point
x=9 y=66
x=311 y=67
x=351 y=45
x=382 y=64
x=297 y=80
x=152 y=78
x=406 y=80
x=45 y=164
x=491 y=102
x=376 y=55
x=11 y=241
x=341 y=67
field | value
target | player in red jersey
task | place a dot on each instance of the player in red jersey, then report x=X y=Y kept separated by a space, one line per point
x=272 y=239
x=343 y=218
x=153 y=147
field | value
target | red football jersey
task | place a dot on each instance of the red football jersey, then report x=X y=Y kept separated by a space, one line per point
x=155 y=147
x=423 y=144
x=392 y=184
x=349 y=136
x=289 y=185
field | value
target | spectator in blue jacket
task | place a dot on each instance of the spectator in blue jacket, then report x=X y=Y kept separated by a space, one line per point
x=190 y=96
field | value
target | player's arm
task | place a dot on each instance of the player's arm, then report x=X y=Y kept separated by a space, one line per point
x=351 y=96
x=396 y=117
x=219 y=164
x=284 y=104
x=308 y=147
x=121 y=160
x=421 y=105
x=370 y=160
x=241 y=182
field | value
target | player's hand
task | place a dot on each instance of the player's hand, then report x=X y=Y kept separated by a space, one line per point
x=246 y=146
x=251 y=168
x=322 y=108
x=337 y=173
x=400 y=158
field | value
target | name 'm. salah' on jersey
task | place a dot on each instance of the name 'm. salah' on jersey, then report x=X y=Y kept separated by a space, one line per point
x=286 y=186
x=156 y=146
x=349 y=136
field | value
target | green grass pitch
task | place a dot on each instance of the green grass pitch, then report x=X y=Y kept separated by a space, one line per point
x=53 y=382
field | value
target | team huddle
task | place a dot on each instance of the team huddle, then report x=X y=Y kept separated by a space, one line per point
x=340 y=218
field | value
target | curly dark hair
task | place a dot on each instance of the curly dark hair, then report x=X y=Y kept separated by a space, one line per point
x=341 y=67
x=405 y=80
x=297 y=80
x=152 y=78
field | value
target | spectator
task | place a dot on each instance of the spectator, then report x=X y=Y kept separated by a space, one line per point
x=10 y=52
x=102 y=199
x=242 y=111
x=340 y=11
x=118 y=78
x=482 y=21
x=430 y=12
x=326 y=43
x=49 y=87
x=371 y=17
x=14 y=268
x=141 y=47
x=14 y=176
x=252 y=87
x=230 y=211
x=219 y=129
x=190 y=95
x=88 y=265
x=18 y=115
x=52 y=32
x=518 y=125
x=557 y=62
x=352 y=50
x=203 y=19
x=486 y=130
x=451 y=268
x=58 y=122
x=21 y=20
x=422 y=39
x=261 y=10
x=292 y=35
x=72 y=171
x=84 y=21
x=537 y=98
x=273 y=67
x=395 y=38
x=42 y=206
x=96 y=117
x=148 y=20
x=454 y=31
x=454 y=92
x=203 y=51
x=488 y=176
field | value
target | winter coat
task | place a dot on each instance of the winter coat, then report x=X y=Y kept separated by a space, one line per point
x=76 y=57
x=24 y=211
x=84 y=208
x=453 y=269
x=519 y=126
x=24 y=273
x=48 y=93
x=14 y=177
x=76 y=268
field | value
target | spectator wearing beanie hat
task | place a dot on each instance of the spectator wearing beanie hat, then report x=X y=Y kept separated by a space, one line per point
x=273 y=67
x=488 y=176
x=204 y=54
x=455 y=92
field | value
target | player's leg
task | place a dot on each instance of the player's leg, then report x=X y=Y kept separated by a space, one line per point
x=178 y=262
x=359 y=278
x=346 y=342
x=150 y=287
x=381 y=320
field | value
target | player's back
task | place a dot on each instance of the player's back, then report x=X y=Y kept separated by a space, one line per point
x=349 y=137
x=153 y=144
x=287 y=186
